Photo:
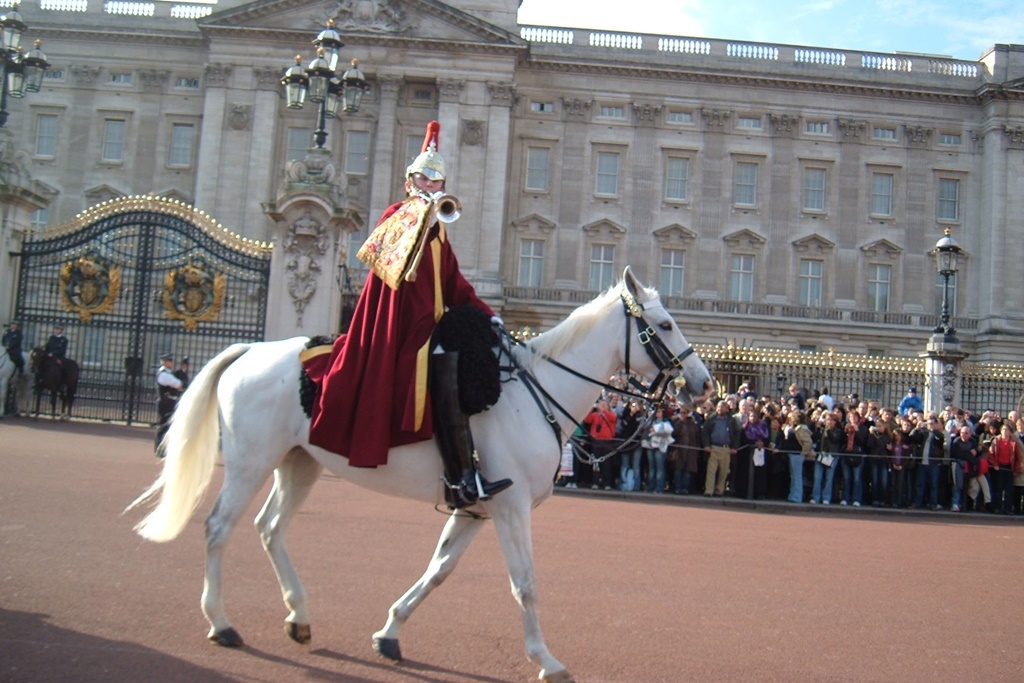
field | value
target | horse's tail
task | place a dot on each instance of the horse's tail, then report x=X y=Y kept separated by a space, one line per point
x=190 y=453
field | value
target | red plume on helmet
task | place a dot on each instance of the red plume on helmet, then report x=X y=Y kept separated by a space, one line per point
x=432 y=140
x=430 y=163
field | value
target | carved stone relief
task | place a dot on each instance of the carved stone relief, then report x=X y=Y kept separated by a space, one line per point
x=240 y=117
x=917 y=135
x=305 y=243
x=1014 y=136
x=715 y=118
x=646 y=113
x=502 y=92
x=450 y=88
x=850 y=128
x=217 y=74
x=85 y=75
x=267 y=78
x=374 y=16
x=153 y=80
x=576 y=108
x=473 y=133
x=784 y=124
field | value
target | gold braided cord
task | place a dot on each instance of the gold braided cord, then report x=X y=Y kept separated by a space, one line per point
x=166 y=206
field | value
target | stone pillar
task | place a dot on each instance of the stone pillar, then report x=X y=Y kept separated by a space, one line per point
x=387 y=146
x=20 y=195
x=312 y=222
x=211 y=135
x=942 y=383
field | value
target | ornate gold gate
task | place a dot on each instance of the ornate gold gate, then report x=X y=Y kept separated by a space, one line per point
x=132 y=279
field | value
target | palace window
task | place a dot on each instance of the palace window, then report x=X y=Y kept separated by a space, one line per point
x=741 y=278
x=537 y=168
x=879 y=280
x=531 y=263
x=677 y=172
x=113 y=139
x=810 y=282
x=745 y=192
x=602 y=267
x=357 y=152
x=46 y=135
x=298 y=143
x=672 y=272
x=881 y=194
x=814 y=189
x=182 y=137
x=607 y=173
x=949 y=199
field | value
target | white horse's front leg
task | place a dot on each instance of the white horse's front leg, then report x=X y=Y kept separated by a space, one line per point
x=293 y=480
x=512 y=523
x=458 y=532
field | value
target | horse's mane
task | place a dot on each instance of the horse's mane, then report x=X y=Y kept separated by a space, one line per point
x=579 y=323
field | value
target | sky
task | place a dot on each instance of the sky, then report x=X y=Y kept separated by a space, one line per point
x=963 y=29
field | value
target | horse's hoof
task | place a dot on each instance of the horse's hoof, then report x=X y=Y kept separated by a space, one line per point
x=562 y=676
x=300 y=633
x=388 y=648
x=227 y=638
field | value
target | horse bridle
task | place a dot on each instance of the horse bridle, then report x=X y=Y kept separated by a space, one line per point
x=668 y=366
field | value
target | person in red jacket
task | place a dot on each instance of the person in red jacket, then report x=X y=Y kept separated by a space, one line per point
x=600 y=423
x=374 y=395
x=1004 y=458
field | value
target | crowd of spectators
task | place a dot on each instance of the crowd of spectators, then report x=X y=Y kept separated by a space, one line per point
x=804 y=447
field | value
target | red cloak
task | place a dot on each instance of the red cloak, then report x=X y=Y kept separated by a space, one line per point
x=374 y=393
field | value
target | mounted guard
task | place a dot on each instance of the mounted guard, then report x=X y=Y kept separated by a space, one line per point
x=374 y=380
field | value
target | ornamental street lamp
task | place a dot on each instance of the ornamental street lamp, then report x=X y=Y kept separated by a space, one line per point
x=348 y=296
x=320 y=83
x=947 y=254
x=21 y=73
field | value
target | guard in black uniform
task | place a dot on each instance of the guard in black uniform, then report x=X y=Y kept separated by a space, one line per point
x=12 y=342
x=57 y=345
x=169 y=388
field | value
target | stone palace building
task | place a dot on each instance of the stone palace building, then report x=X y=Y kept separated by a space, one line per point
x=779 y=196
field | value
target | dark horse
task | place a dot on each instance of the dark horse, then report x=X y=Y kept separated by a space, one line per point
x=57 y=378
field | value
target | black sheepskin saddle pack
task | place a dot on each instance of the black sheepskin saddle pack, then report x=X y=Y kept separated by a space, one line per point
x=467 y=331
x=463 y=329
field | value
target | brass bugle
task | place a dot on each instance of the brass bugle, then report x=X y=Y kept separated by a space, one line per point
x=447 y=208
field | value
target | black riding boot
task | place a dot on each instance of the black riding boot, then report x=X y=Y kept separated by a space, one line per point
x=464 y=484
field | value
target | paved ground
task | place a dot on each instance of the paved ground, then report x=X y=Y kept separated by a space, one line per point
x=631 y=589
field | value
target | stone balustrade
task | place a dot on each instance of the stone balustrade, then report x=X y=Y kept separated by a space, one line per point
x=840 y=62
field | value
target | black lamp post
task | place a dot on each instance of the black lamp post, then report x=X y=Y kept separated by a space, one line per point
x=320 y=83
x=947 y=254
x=22 y=72
x=348 y=296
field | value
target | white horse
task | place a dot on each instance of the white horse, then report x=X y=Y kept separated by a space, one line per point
x=9 y=374
x=249 y=397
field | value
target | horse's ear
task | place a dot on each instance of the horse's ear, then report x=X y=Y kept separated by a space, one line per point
x=632 y=285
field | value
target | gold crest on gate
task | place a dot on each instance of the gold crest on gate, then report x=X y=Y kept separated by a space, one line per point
x=193 y=295
x=89 y=286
